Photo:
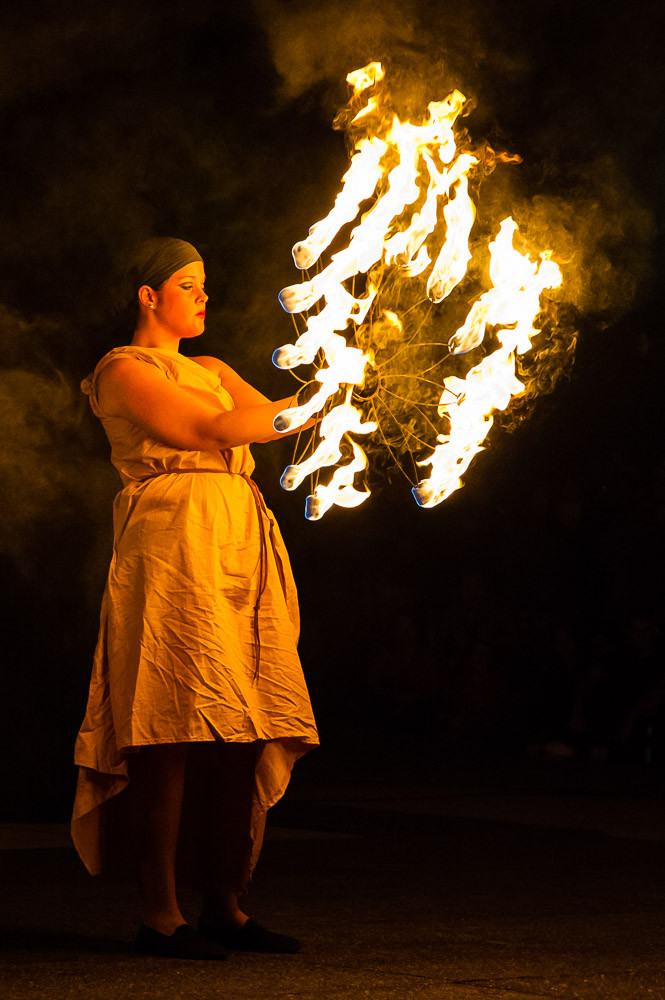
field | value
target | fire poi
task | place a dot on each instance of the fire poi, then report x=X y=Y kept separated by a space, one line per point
x=414 y=235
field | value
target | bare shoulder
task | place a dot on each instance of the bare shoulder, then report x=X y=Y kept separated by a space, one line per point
x=114 y=373
x=223 y=371
x=212 y=364
x=122 y=376
x=119 y=370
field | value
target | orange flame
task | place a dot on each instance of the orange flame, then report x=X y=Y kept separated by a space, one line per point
x=469 y=403
x=402 y=164
x=361 y=79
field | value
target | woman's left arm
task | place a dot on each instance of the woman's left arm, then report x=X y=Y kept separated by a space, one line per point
x=242 y=393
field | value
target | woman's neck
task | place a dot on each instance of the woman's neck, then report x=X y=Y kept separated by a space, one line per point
x=153 y=335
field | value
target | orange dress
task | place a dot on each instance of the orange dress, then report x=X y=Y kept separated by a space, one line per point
x=199 y=570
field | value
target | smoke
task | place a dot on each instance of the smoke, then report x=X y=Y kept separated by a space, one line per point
x=52 y=476
x=37 y=413
x=567 y=111
x=318 y=44
x=123 y=120
x=572 y=193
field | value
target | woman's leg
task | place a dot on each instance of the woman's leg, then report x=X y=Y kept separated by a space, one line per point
x=227 y=855
x=227 y=844
x=158 y=776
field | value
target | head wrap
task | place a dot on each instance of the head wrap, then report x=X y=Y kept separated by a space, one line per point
x=154 y=261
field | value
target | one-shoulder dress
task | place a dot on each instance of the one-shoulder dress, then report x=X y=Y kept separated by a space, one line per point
x=199 y=621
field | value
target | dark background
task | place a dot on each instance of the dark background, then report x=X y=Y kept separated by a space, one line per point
x=532 y=596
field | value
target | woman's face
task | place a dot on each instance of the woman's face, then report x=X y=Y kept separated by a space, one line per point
x=180 y=302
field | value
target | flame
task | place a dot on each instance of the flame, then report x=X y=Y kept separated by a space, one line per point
x=340 y=489
x=339 y=421
x=371 y=107
x=419 y=183
x=359 y=184
x=361 y=79
x=468 y=403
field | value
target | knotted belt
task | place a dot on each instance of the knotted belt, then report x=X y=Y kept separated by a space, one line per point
x=263 y=558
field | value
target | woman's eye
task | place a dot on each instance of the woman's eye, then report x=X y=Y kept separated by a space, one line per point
x=186 y=287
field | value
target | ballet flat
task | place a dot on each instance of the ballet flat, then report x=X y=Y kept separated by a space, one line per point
x=185 y=942
x=250 y=937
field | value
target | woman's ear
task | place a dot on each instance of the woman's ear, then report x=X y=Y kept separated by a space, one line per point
x=147 y=296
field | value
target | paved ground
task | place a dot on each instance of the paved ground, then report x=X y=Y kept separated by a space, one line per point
x=533 y=881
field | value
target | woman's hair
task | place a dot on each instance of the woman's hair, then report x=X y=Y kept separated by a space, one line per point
x=151 y=263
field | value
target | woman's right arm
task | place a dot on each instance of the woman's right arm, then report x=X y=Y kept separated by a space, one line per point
x=141 y=393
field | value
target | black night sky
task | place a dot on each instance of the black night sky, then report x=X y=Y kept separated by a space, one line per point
x=212 y=122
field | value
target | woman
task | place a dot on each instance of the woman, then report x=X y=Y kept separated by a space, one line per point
x=196 y=685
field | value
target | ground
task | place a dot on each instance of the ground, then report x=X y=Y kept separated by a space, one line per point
x=542 y=879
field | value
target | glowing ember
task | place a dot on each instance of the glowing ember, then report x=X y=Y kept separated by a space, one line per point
x=419 y=183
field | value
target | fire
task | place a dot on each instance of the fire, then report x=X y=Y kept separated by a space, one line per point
x=419 y=183
x=361 y=79
x=468 y=404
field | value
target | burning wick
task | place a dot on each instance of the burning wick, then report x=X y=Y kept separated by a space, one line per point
x=419 y=181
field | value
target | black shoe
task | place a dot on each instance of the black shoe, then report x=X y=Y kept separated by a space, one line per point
x=183 y=943
x=250 y=937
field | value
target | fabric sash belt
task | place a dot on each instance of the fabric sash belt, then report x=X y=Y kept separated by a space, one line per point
x=259 y=503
